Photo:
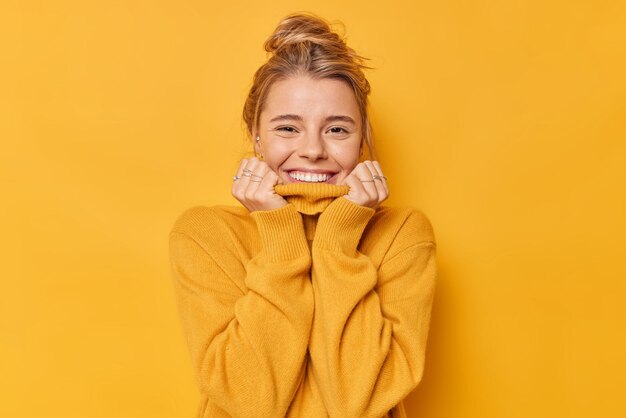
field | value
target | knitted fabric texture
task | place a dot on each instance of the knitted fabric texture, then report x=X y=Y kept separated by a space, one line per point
x=319 y=308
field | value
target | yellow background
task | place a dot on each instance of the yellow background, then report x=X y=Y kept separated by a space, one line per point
x=505 y=121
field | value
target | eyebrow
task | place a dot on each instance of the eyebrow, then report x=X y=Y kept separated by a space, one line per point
x=299 y=118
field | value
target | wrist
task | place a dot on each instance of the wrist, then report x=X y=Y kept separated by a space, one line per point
x=281 y=232
x=341 y=226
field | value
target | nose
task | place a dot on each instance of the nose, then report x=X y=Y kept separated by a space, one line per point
x=312 y=147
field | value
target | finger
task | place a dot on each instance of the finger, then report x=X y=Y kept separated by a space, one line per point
x=238 y=176
x=269 y=170
x=382 y=177
x=252 y=164
x=383 y=190
x=365 y=176
x=380 y=187
x=264 y=197
x=242 y=164
x=357 y=193
x=256 y=178
x=260 y=170
x=248 y=170
x=242 y=186
x=270 y=179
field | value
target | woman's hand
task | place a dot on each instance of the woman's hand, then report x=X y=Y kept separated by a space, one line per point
x=368 y=186
x=254 y=185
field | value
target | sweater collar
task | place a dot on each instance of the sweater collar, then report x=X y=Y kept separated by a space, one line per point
x=310 y=198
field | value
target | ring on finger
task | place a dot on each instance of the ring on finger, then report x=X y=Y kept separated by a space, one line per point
x=366 y=181
x=247 y=174
x=236 y=178
x=255 y=181
x=247 y=170
x=256 y=175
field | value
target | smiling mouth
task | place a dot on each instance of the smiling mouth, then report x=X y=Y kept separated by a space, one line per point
x=306 y=177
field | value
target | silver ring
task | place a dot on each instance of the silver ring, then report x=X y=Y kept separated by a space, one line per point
x=247 y=170
x=255 y=181
x=366 y=181
x=236 y=178
x=380 y=177
x=247 y=174
x=256 y=175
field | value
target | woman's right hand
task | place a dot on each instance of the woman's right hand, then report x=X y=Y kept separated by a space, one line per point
x=254 y=185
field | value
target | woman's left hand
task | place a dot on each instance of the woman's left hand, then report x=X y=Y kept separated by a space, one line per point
x=368 y=185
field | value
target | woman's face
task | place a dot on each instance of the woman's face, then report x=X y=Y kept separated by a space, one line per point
x=310 y=130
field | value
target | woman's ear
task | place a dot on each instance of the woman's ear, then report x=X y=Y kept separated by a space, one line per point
x=256 y=140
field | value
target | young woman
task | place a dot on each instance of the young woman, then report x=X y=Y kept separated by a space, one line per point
x=311 y=300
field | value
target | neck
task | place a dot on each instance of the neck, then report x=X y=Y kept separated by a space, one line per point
x=310 y=198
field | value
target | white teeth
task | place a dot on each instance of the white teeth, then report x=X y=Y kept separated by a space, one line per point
x=309 y=177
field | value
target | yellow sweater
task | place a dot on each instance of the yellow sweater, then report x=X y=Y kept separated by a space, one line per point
x=319 y=308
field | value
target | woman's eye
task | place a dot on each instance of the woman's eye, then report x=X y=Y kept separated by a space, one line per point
x=288 y=129
x=338 y=130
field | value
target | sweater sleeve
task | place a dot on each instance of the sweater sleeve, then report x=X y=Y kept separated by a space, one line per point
x=248 y=347
x=370 y=327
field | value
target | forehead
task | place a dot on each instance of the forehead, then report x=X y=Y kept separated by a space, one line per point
x=310 y=98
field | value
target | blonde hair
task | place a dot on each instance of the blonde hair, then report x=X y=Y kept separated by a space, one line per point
x=305 y=44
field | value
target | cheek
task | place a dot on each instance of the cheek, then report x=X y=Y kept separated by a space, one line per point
x=347 y=158
x=276 y=155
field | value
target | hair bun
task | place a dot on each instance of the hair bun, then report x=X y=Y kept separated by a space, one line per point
x=301 y=28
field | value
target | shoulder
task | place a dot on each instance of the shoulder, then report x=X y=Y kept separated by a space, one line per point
x=404 y=223
x=395 y=229
x=208 y=241
x=211 y=223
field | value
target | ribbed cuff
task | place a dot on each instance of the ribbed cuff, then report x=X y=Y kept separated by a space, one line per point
x=281 y=232
x=341 y=226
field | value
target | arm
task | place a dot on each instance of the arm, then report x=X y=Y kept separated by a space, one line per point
x=248 y=347
x=370 y=327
